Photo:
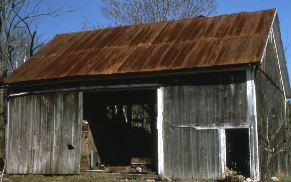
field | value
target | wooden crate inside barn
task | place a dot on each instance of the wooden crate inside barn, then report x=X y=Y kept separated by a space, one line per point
x=141 y=164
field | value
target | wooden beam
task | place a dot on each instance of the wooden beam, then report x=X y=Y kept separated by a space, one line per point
x=93 y=89
x=214 y=126
x=253 y=130
x=222 y=152
x=7 y=133
x=160 y=104
x=126 y=77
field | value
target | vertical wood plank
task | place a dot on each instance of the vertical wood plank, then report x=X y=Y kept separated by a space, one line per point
x=191 y=153
x=39 y=131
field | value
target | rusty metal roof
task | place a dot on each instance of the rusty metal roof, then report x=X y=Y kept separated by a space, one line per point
x=193 y=43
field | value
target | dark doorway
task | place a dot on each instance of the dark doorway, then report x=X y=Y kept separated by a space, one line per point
x=123 y=127
x=237 y=151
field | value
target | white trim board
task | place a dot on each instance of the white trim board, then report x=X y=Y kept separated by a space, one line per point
x=222 y=152
x=279 y=65
x=253 y=131
x=160 y=104
x=214 y=127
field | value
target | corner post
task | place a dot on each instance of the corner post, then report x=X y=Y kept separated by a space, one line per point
x=7 y=136
x=253 y=129
x=160 y=105
x=222 y=152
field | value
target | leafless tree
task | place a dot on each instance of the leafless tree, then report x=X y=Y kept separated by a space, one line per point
x=18 y=41
x=274 y=138
x=274 y=143
x=18 y=32
x=147 y=11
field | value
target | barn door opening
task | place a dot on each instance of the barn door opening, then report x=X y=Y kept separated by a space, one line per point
x=119 y=131
x=237 y=151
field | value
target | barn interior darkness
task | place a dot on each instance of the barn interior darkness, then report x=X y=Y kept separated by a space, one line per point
x=237 y=151
x=123 y=127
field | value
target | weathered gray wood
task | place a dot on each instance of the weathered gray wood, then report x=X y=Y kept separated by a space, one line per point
x=87 y=145
x=206 y=104
x=2 y=120
x=271 y=107
x=191 y=153
x=253 y=131
x=40 y=128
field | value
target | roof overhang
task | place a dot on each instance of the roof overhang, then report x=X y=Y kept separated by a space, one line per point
x=196 y=43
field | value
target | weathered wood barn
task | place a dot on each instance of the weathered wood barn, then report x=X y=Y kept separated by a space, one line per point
x=190 y=98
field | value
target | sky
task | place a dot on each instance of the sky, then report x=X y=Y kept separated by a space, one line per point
x=89 y=11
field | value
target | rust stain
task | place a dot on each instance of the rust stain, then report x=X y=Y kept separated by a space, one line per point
x=193 y=43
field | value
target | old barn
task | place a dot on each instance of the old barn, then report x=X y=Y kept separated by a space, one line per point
x=191 y=98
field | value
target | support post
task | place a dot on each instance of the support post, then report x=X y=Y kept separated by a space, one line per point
x=253 y=131
x=222 y=152
x=160 y=106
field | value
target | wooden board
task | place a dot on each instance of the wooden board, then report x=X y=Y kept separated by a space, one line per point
x=271 y=104
x=191 y=153
x=216 y=102
x=87 y=145
x=40 y=128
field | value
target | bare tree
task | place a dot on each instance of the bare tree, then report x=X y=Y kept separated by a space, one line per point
x=273 y=138
x=147 y=11
x=18 y=31
x=18 y=41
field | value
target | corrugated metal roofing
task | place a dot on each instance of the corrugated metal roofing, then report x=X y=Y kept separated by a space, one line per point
x=175 y=45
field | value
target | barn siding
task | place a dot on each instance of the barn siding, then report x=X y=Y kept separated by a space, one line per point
x=2 y=121
x=219 y=101
x=194 y=155
x=271 y=103
x=39 y=129
x=271 y=110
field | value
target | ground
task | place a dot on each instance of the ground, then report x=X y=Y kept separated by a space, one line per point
x=39 y=178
